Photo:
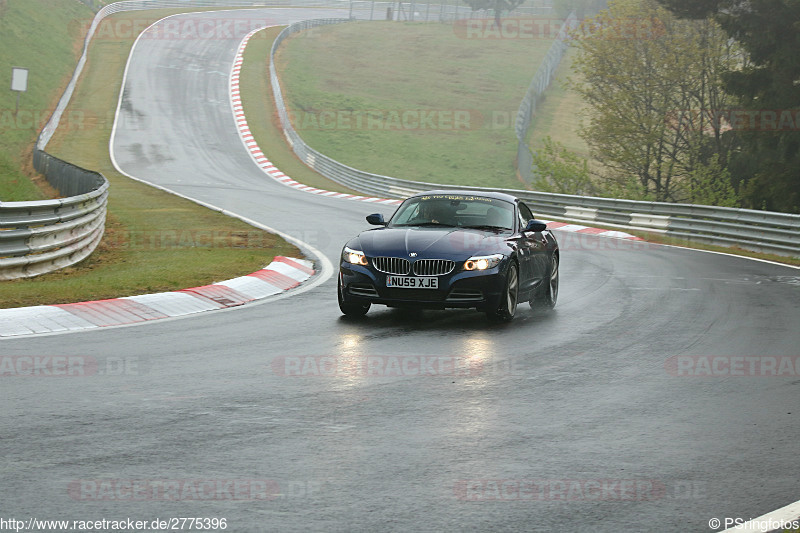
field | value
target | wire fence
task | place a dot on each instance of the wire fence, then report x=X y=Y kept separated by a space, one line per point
x=541 y=81
x=435 y=12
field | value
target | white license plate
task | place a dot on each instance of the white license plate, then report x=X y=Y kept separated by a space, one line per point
x=407 y=282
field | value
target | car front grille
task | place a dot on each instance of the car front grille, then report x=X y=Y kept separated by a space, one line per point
x=420 y=267
x=433 y=267
x=392 y=265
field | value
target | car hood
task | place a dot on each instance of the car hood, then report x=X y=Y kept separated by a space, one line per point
x=432 y=243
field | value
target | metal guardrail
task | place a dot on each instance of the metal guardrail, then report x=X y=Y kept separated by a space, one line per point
x=46 y=235
x=764 y=231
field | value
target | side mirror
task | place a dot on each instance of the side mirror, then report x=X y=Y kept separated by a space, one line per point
x=535 y=225
x=376 y=219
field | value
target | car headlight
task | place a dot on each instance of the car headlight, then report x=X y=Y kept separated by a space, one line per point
x=483 y=262
x=354 y=257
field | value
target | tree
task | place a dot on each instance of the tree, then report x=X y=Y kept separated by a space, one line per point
x=498 y=6
x=647 y=76
x=710 y=184
x=767 y=162
x=558 y=170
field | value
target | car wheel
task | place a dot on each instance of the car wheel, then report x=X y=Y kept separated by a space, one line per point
x=350 y=308
x=546 y=300
x=508 y=303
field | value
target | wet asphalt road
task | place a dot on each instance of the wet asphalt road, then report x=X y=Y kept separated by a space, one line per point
x=569 y=421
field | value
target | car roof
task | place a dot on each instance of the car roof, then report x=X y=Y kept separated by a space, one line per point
x=461 y=192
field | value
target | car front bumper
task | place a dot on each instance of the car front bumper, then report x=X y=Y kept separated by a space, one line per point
x=459 y=289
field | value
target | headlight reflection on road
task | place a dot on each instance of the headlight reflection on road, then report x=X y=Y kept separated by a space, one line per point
x=473 y=416
x=478 y=348
x=350 y=359
x=472 y=364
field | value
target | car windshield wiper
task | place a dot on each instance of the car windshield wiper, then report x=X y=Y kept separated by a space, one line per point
x=425 y=224
x=487 y=227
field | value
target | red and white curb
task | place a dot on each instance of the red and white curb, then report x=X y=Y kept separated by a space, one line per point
x=586 y=230
x=282 y=274
x=255 y=152
x=272 y=171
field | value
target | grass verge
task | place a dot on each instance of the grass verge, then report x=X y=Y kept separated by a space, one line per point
x=154 y=241
x=658 y=238
x=49 y=57
x=560 y=113
x=410 y=100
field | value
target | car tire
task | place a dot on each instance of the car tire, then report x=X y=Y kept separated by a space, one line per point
x=350 y=308
x=508 y=303
x=548 y=296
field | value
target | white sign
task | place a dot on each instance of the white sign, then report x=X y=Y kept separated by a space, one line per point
x=19 y=79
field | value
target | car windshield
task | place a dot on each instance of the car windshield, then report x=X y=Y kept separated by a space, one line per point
x=453 y=210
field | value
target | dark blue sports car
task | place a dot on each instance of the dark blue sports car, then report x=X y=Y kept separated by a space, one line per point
x=444 y=249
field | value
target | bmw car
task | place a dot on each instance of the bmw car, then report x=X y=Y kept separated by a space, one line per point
x=452 y=249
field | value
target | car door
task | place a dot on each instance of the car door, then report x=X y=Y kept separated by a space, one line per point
x=526 y=251
x=535 y=245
